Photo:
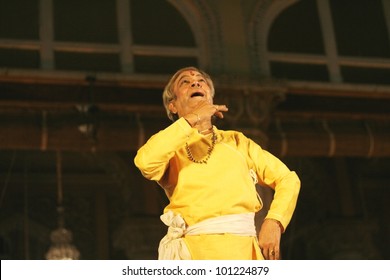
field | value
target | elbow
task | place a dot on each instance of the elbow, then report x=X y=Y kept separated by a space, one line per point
x=142 y=165
x=148 y=170
x=137 y=161
x=297 y=182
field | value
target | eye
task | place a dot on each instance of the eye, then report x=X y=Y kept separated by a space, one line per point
x=183 y=82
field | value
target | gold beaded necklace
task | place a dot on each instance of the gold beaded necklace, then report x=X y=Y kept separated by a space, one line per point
x=209 y=150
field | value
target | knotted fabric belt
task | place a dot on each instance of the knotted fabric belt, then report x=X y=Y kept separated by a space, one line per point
x=172 y=245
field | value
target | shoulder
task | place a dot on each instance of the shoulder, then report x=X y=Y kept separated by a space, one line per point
x=229 y=133
x=240 y=140
x=234 y=136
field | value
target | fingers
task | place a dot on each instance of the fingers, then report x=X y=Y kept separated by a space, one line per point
x=205 y=110
x=271 y=254
x=219 y=109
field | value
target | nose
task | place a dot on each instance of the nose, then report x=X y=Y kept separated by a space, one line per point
x=196 y=84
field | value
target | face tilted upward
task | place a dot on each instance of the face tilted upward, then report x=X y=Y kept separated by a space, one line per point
x=190 y=88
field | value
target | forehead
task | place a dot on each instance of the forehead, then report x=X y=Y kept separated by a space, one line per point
x=189 y=74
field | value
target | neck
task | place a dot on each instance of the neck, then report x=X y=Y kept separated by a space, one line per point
x=206 y=131
x=204 y=127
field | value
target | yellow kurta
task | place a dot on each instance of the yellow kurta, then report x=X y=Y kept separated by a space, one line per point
x=222 y=186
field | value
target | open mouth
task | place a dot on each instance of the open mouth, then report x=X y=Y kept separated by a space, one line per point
x=197 y=94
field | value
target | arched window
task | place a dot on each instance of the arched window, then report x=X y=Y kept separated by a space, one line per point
x=19 y=34
x=363 y=42
x=325 y=40
x=296 y=33
x=122 y=36
x=163 y=40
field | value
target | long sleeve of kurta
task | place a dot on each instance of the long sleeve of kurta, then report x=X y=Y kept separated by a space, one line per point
x=153 y=158
x=274 y=173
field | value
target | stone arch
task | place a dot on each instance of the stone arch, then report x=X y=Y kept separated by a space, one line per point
x=206 y=29
x=259 y=24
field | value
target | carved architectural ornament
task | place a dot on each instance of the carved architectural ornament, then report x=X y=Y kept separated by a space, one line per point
x=250 y=107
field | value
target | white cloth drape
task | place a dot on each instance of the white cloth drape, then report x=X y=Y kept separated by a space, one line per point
x=173 y=247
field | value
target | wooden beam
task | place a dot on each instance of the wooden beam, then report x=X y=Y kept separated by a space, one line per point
x=128 y=133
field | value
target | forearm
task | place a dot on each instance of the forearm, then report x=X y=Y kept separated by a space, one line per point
x=274 y=173
x=285 y=199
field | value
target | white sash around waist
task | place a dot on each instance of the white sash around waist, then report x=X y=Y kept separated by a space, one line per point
x=173 y=247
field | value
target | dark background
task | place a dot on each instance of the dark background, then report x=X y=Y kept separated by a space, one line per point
x=308 y=80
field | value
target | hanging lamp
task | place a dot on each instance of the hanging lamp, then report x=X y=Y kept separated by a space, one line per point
x=61 y=238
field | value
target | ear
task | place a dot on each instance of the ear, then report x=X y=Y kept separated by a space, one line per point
x=172 y=108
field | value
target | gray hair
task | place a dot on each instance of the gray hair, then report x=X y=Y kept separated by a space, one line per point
x=169 y=95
